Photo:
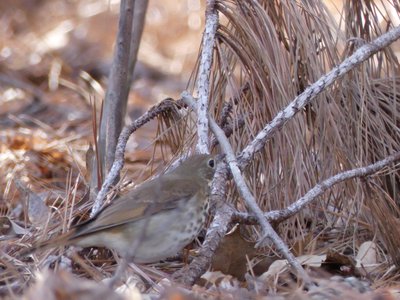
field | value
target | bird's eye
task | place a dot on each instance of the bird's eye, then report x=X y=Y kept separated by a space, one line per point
x=211 y=163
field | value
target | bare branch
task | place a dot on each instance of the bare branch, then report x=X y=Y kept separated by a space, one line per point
x=362 y=54
x=203 y=83
x=118 y=163
x=117 y=91
x=282 y=215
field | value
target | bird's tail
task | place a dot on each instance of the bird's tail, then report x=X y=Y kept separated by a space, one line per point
x=61 y=240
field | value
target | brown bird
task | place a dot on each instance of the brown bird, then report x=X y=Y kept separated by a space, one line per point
x=153 y=221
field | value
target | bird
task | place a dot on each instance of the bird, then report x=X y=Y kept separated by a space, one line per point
x=152 y=222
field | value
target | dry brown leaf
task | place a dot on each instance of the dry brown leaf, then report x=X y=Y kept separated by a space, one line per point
x=337 y=262
x=230 y=256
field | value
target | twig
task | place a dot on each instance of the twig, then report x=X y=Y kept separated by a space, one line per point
x=362 y=54
x=118 y=163
x=117 y=90
x=203 y=83
x=278 y=216
x=268 y=231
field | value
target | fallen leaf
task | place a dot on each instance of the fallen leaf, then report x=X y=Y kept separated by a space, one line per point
x=339 y=263
x=312 y=260
x=276 y=268
x=366 y=259
x=230 y=256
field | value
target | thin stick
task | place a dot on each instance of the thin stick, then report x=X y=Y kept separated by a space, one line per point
x=118 y=163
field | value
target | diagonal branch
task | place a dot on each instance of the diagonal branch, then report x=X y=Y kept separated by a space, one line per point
x=278 y=216
x=362 y=54
x=165 y=105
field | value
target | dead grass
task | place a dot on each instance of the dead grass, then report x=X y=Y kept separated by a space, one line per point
x=266 y=53
x=277 y=48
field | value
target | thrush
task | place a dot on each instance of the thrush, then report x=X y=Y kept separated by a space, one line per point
x=153 y=221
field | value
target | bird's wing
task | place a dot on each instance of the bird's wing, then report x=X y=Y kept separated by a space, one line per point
x=139 y=204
